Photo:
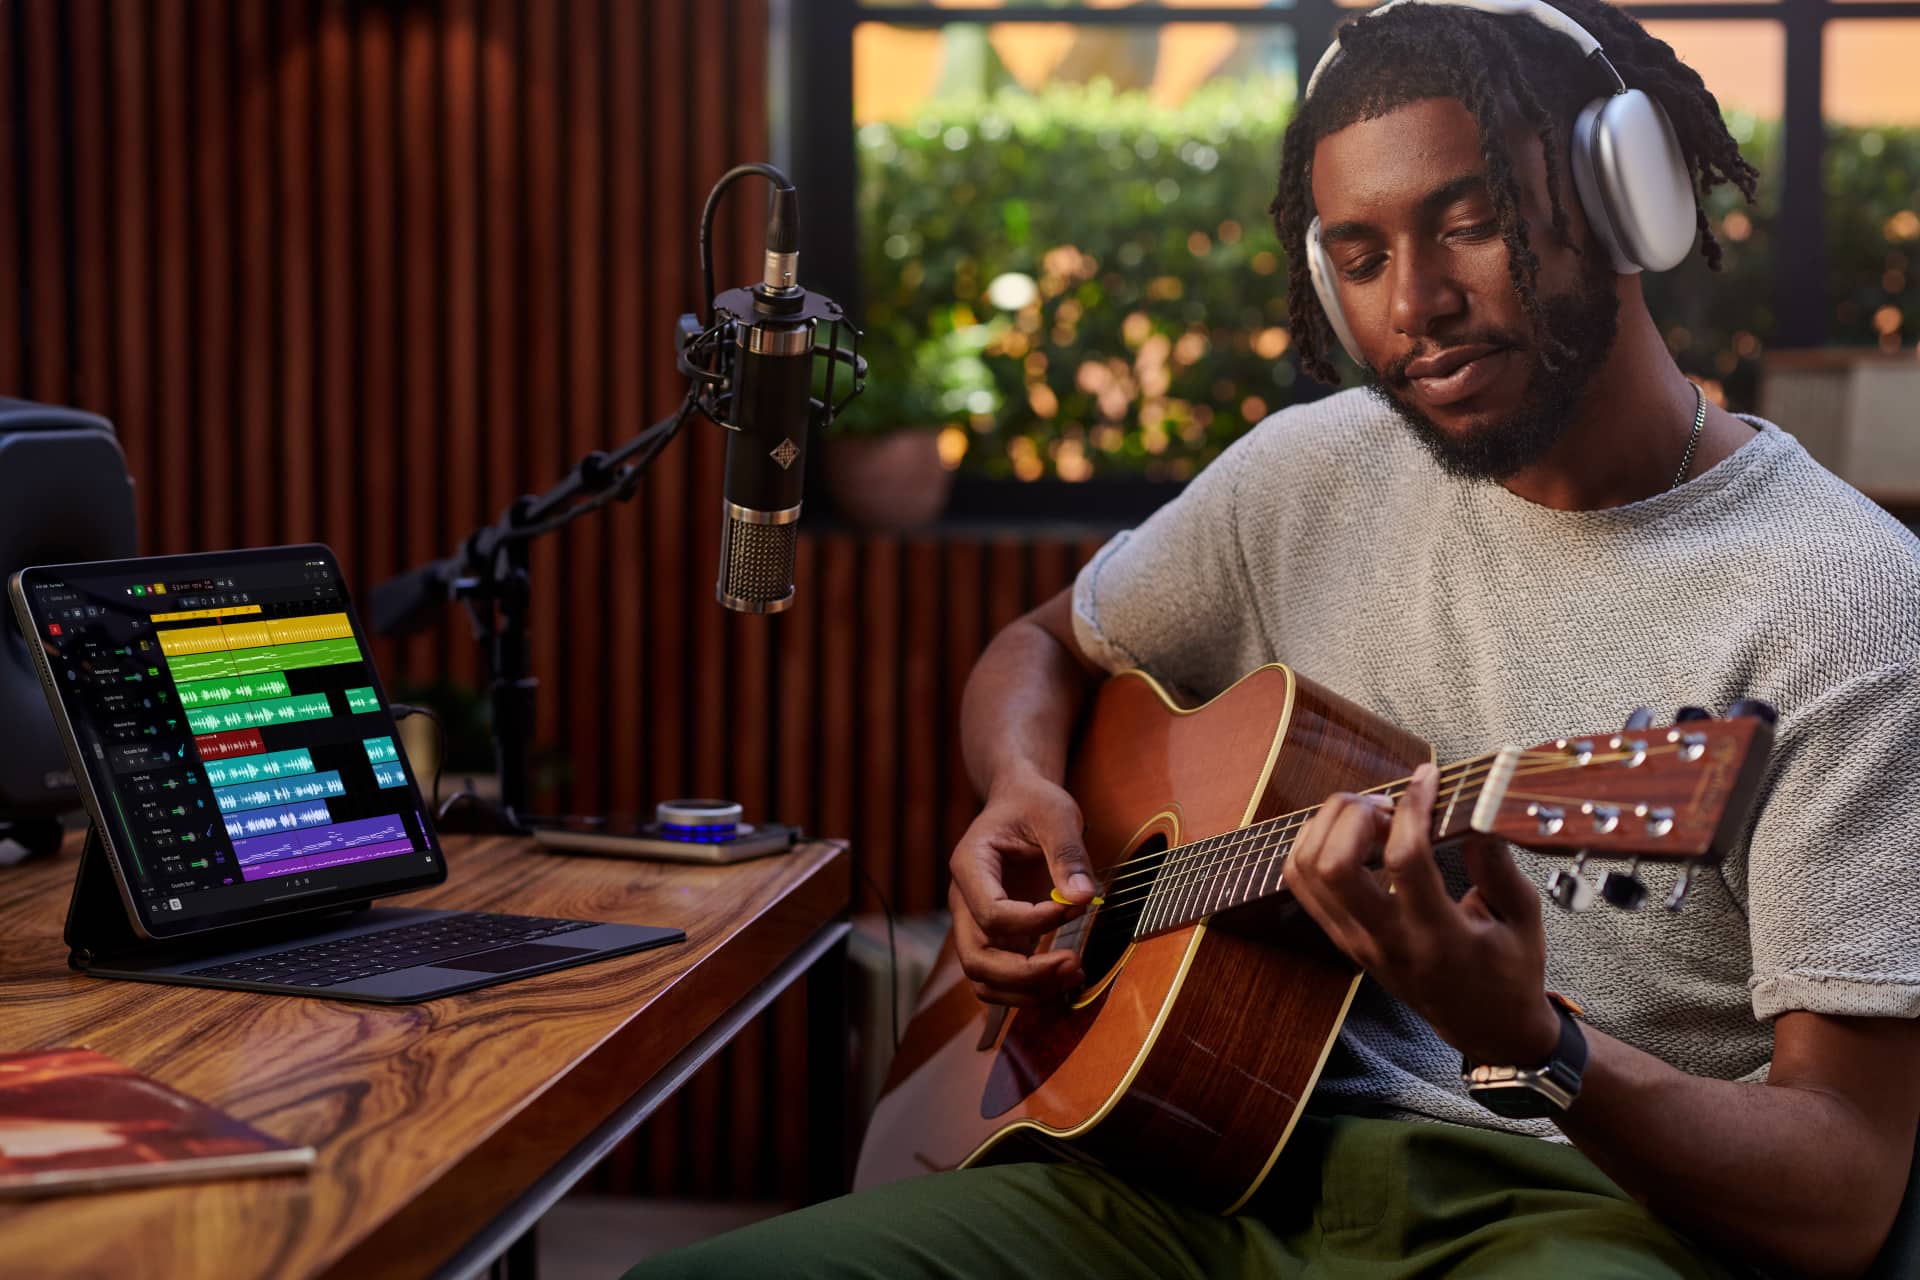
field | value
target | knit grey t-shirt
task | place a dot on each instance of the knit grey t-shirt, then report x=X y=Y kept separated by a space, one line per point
x=1328 y=539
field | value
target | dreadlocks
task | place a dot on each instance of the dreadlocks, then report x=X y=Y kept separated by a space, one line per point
x=1499 y=67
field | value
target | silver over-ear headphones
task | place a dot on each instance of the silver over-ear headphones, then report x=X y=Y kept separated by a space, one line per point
x=1633 y=182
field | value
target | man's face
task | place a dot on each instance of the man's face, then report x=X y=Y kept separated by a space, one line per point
x=1417 y=255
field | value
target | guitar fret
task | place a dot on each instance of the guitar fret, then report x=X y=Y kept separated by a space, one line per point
x=1247 y=874
x=1218 y=875
x=1270 y=874
x=1243 y=862
x=1458 y=784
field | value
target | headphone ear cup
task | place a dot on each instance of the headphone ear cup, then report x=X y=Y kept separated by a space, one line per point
x=1634 y=184
x=1320 y=268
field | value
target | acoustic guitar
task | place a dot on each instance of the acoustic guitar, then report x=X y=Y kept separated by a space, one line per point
x=1211 y=1000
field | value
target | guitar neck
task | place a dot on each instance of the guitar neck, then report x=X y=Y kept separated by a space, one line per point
x=1192 y=881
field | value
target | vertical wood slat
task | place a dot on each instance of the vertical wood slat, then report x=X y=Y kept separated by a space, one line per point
x=584 y=240
x=133 y=266
x=90 y=123
x=878 y=755
x=917 y=874
x=462 y=204
x=628 y=402
x=46 y=227
x=379 y=362
x=336 y=363
x=297 y=383
x=13 y=298
x=417 y=282
x=172 y=319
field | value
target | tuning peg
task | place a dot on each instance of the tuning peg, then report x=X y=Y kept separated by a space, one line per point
x=1570 y=890
x=1677 y=896
x=1753 y=707
x=1692 y=713
x=1624 y=889
x=1640 y=719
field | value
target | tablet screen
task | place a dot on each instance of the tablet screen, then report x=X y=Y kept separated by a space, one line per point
x=236 y=739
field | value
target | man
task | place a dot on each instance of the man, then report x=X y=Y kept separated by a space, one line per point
x=1528 y=524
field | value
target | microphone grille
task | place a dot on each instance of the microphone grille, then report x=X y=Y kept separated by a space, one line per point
x=756 y=563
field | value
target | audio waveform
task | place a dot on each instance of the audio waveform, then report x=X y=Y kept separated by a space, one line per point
x=256 y=822
x=201 y=693
x=359 y=700
x=326 y=858
x=304 y=843
x=219 y=746
x=315 y=626
x=286 y=657
x=225 y=663
x=253 y=634
x=389 y=775
x=253 y=715
x=380 y=750
x=258 y=795
x=275 y=764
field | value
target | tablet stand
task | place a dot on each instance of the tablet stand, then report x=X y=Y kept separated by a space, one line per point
x=98 y=928
x=97 y=924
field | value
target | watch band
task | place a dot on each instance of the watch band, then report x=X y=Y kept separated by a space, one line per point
x=1534 y=1092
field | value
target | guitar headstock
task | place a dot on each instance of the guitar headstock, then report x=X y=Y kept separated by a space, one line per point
x=1679 y=791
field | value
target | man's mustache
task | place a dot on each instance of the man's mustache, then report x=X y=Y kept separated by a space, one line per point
x=1395 y=374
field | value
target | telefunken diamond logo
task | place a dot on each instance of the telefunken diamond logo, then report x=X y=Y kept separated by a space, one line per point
x=785 y=453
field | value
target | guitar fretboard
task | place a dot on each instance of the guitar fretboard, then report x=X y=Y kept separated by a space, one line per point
x=1192 y=881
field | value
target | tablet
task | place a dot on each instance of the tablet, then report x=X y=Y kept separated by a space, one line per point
x=232 y=741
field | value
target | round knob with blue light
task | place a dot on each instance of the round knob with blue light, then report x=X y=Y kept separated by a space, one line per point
x=700 y=821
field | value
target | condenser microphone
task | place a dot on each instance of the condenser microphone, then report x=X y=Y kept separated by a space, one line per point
x=772 y=406
x=754 y=368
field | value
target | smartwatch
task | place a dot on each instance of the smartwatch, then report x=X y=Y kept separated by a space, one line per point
x=1534 y=1093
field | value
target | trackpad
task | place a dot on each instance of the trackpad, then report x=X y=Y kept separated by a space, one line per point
x=504 y=959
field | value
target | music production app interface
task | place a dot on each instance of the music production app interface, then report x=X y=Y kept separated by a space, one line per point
x=249 y=757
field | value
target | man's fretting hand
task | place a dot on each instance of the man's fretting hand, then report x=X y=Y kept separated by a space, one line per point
x=1364 y=870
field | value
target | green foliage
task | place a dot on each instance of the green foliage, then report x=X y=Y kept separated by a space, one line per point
x=1873 y=234
x=1153 y=319
x=1093 y=196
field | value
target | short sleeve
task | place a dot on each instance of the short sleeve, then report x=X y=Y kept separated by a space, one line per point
x=1172 y=597
x=1835 y=855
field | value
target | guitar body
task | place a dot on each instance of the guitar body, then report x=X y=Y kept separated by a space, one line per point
x=1187 y=1058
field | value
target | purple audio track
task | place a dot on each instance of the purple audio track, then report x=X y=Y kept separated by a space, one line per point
x=316 y=847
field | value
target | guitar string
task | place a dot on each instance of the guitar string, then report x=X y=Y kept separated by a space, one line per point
x=1213 y=846
x=1260 y=854
x=1465 y=771
x=1456 y=774
x=1250 y=856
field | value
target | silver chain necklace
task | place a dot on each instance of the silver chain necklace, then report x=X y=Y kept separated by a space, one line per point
x=1699 y=420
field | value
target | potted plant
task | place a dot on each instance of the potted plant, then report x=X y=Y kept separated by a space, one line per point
x=883 y=456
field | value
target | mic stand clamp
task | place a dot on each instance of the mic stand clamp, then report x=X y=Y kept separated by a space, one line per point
x=489 y=575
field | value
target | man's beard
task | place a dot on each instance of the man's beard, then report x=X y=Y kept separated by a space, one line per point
x=1583 y=321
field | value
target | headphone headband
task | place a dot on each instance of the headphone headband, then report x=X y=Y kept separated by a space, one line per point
x=1538 y=10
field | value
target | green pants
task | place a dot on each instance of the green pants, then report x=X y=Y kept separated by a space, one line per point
x=1350 y=1197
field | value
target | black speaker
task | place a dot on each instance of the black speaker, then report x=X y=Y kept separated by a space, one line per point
x=65 y=495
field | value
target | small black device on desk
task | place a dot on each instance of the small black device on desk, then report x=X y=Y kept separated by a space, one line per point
x=236 y=753
x=682 y=831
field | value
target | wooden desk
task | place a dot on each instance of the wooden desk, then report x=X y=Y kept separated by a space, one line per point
x=443 y=1129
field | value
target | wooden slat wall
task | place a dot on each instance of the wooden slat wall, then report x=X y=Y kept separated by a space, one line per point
x=362 y=271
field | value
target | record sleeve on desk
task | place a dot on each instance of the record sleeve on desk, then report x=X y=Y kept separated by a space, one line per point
x=76 y=1120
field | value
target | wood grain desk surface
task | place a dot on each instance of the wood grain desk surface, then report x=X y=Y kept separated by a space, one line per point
x=428 y=1119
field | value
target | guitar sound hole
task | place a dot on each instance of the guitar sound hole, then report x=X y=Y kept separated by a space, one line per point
x=1109 y=929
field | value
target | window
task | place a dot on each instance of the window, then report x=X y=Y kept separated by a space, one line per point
x=987 y=136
